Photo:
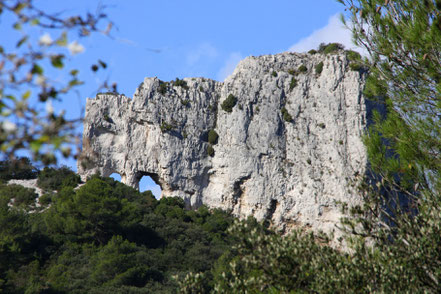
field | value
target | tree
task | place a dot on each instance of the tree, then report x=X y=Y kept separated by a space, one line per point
x=402 y=210
x=19 y=168
x=27 y=87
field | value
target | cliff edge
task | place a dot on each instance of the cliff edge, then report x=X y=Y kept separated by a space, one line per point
x=280 y=139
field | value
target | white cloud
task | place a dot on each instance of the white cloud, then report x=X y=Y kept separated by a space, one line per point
x=333 y=32
x=204 y=50
x=229 y=66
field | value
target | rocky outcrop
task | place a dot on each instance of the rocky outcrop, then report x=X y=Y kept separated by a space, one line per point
x=289 y=143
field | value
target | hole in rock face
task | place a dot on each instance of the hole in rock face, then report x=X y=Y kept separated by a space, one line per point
x=147 y=183
x=116 y=177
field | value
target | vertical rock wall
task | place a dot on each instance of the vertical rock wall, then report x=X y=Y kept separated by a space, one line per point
x=288 y=151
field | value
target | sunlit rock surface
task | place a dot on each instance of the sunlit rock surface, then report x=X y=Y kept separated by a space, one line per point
x=290 y=172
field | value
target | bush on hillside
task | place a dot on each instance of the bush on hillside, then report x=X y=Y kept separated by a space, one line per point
x=285 y=114
x=229 y=103
x=19 y=169
x=319 y=68
x=18 y=196
x=54 y=179
x=330 y=48
x=212 y=137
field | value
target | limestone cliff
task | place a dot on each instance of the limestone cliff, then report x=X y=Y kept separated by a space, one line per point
x=289 y=141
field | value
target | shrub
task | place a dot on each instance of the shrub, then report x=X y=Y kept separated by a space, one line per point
x=292 y=72
x=201 y=89
x=293 y=83
x=51 y=179
x=162 y=88
x=165 y=127
x=23 y=197
x=107 y=118
x=181 y=83
x=330 y=48
x=312 y=51
x=108 y=93
x=319 y=68
x=45 y=199
x=274 y=74
x=285 y=114
x=20 y=169
x=229 y=103
x=322 y=125
x=185 y=102
x=212 y=137
x=303 y=68
x=355 y=66
x=210 y=150
x=353 y=55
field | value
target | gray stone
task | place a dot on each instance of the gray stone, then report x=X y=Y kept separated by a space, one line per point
x=289 y=172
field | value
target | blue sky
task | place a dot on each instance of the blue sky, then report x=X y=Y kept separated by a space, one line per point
x=193 y=38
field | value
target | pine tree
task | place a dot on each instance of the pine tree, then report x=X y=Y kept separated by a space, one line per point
x=402 y=211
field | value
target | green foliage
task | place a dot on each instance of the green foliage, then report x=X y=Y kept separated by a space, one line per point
x=166 y=127
x=18 y=195
x=321 y=125
x=106 y=237
x=107 y=118
x=51 y=179
x=162 y=88
x=265 y=262
x=185 y=102
x=210 y=150
x=401 y=209
x=212 y=137
x=20 y=169
x=229 y=103
x=353 y=55
x=319 y=68
x=302 y=69
x=292 y=72
x=274 y=74
x=293 y=83
x=45 y=199
x=180 y=83
x=312 y=51
x=285 y=115
x=107 y=93
x=330 y=48
x=355 y=66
